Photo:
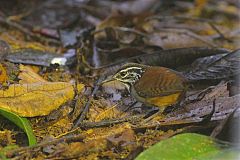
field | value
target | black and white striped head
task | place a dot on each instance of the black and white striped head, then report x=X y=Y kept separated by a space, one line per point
x=130 y=73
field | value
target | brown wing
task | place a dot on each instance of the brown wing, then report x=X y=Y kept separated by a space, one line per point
x=160 y=81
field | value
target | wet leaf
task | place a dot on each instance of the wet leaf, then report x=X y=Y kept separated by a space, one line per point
x=32 y=56
x=183 y=146
x=21 y=123
x=224 y=67
x=108 y=57
x=171 y=58
x=201 y=62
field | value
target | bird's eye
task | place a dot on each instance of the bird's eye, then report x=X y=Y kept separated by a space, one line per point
x=122 y=74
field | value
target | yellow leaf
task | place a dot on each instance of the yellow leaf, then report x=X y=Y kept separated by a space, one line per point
x=36 y=99
x=35 y=96
x=3 y=74
x=17 y=41
x=27 y=75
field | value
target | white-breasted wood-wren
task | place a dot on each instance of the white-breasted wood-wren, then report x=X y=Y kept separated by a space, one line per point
x=152 y=85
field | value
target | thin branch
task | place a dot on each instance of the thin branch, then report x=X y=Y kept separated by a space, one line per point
x=219 y=32
x=87 y=106
x=207 y=118
x=180 y=18
x=107 y=123
x=67 y=139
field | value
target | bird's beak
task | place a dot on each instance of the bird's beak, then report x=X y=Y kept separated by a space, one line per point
x=108 y=79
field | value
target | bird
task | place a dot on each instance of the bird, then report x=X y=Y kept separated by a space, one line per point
x=152 y=85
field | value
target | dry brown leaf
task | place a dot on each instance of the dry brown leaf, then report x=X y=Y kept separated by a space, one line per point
x=118 y=20
x=122 y=139
x=173 y=38
x=76 y=149
x=108 y=113
x=101 y=138
x=98 y=133
x=36 y=99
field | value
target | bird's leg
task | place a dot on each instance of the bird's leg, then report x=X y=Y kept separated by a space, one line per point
x=154 y=114
x=178 y=105
x=175 y=107
x=151 y=112
x=169 y=109
x=130 y=106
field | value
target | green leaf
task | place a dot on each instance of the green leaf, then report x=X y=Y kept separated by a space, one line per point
x=229 y=154
x=22 y=123
x=186 y=146
x=4 y=150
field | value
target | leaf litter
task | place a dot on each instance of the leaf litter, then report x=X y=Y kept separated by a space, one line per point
x=112 y=125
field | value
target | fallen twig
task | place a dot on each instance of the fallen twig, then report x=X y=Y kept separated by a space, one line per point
x=69 y=138
x=87 y=106
x=179 y=18
x=207 y=118
x=219 y=32
x=106 y=123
